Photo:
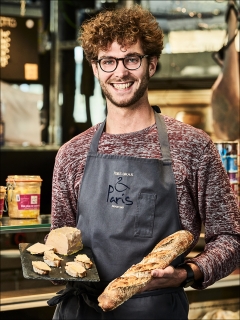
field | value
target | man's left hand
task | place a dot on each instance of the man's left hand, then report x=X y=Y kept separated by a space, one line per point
x=165 y=278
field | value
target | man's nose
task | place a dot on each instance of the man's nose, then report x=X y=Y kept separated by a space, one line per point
x=121 y=69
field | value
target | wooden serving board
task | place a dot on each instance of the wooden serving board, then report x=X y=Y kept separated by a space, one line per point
x=55 y=273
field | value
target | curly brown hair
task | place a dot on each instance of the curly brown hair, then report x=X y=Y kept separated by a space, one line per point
x=124 y=25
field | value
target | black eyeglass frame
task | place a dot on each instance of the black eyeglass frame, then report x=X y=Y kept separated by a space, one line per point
x=122 y=59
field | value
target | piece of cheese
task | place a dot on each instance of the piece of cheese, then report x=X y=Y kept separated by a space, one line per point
x=74 y=269
x=51 y=259
x=65 y=240
x=39 y=248
x=40 y=267
x=84 y=259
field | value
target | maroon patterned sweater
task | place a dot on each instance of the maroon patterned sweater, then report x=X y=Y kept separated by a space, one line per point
x=203 y=191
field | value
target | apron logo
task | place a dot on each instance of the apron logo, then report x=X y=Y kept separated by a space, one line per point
x=123 y=174
x=116 y=193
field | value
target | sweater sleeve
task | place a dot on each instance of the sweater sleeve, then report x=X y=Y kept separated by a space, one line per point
x=64 y=202
x=219 y=213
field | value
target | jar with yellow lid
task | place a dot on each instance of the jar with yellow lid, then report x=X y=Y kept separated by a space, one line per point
x=2 y=198
x=24 y=196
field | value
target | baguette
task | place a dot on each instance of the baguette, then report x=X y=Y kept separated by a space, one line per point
x=137 y=276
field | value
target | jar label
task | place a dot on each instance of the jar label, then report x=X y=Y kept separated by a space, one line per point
x=28 y=201
x=1 y=205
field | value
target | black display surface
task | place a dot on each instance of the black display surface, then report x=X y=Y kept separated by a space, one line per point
x=55 y=273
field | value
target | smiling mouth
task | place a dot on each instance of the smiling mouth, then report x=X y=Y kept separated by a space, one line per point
x=122 y=86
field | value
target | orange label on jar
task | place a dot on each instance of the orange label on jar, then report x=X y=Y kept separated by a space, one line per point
x=28 y=201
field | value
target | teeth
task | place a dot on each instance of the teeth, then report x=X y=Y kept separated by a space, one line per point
x=121 y=85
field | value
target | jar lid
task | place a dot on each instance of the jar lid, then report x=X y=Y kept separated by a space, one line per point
x=2 y=189
x=24 y=178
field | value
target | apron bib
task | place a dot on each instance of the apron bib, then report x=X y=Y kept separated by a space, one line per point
x=126 y=205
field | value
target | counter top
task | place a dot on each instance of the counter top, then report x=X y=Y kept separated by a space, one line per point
x=29 y=148
x=8 y=225
x=28 y=298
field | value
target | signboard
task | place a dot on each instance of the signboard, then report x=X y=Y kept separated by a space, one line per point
x=19 y=48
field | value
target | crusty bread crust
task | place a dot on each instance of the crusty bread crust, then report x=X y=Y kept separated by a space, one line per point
x=137 y=276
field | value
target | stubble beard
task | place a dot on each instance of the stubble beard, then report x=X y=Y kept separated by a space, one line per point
x=131 y=102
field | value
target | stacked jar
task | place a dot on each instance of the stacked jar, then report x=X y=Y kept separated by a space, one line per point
x=229 y=153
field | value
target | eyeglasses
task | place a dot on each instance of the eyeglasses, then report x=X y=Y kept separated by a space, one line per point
x=110 y=64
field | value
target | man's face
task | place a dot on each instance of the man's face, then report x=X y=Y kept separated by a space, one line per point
x=123 y=87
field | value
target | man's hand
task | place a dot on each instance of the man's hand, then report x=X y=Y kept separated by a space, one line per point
x=170 y=277
x=165 y=278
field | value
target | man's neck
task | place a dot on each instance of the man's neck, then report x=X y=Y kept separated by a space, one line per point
x=125 y=120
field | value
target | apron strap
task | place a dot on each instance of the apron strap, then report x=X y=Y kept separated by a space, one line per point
x=163 y=139
x=96 y=138
x=162 y=135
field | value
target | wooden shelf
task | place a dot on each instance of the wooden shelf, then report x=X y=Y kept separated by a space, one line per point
x=29 y=298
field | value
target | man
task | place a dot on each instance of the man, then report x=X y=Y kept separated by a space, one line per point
x=138 y=177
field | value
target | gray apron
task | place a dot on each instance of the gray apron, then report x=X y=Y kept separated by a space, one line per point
x=126 y=205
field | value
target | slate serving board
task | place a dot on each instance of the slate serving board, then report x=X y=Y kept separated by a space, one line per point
x=55 y=273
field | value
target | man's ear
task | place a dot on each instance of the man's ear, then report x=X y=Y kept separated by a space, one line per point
x=95 y=69
x=152 y=66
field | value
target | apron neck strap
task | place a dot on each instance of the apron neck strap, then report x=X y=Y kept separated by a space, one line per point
x=162 y=135
x=96 y=138
x=163 y=138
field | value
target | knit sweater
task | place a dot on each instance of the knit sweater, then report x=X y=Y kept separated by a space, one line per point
x=204 y=195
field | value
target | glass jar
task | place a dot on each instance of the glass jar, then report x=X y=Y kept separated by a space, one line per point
x=2 y=198
x=24 y=196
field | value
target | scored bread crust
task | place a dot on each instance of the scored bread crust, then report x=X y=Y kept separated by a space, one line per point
x=137 y=276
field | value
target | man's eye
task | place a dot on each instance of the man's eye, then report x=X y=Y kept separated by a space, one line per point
x=132 y=60
x=108 y=62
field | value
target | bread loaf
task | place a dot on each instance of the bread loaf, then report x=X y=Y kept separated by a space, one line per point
x=137 y=276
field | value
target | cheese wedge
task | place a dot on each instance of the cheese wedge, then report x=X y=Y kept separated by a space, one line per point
x=40 y=267
x=65 y=240
x=51 y=259
x=74 y=269
x=84 y=259
x=39 y=248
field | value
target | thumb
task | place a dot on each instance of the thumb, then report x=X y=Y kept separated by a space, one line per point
x=157 y=273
